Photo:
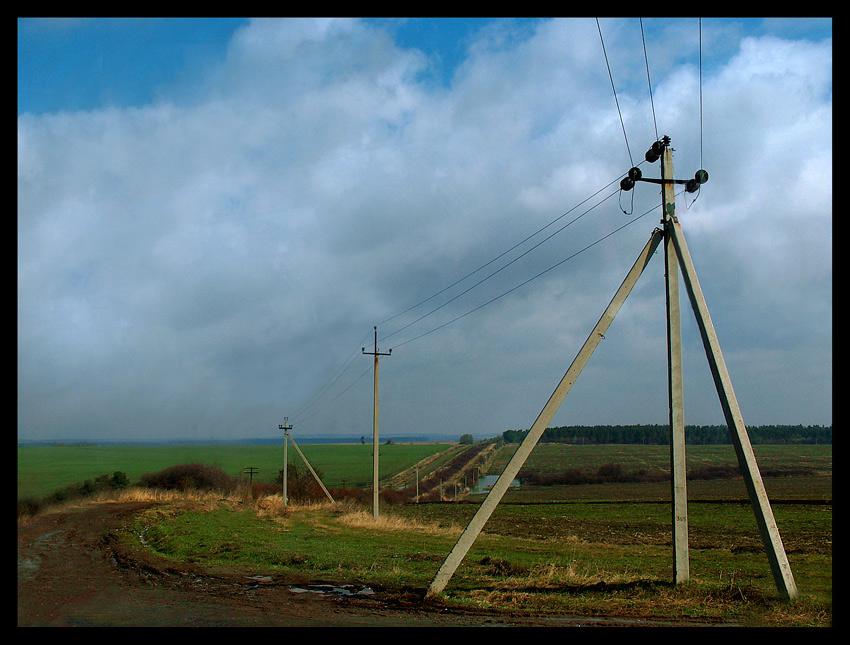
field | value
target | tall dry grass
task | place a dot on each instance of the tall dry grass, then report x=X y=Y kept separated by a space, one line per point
x=359 y=518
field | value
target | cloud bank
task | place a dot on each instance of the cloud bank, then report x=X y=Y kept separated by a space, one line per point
x=200 y=266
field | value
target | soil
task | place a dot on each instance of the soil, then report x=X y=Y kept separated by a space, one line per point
x=74 y=571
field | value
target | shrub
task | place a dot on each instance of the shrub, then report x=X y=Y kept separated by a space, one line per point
x=28 y=506
x=190 y=477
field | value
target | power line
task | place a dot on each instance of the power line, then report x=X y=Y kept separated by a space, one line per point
x=615 y=92
x=522 y=284
x=700 y=94
x=352 y=384
x=524 y=253
x=498 y=257
x=342 y=369
x=649 y=82
x=349 y=361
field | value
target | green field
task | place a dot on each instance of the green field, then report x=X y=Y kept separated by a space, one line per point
x=771 y=458
x=611 y=559
x=592 y=549
x=44 y=469
x=552 y=457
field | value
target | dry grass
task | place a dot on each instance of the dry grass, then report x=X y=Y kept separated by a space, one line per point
x=356 y=518
x=208 y=499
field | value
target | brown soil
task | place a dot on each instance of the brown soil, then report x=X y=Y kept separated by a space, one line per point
x=73 y=571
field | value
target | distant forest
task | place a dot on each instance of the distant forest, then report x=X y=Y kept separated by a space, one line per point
x=659 y=434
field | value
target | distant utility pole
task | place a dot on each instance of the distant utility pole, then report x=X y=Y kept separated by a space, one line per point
x=285 y=427
x=376 y=354
x=250 y=470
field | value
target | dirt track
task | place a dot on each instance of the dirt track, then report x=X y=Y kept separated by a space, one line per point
x=73 y=572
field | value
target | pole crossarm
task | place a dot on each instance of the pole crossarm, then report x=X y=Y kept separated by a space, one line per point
x=487 y=507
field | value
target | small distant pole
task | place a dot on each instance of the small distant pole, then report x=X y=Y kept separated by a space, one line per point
x=375 y=450
x=250 y=470
x=285 y=427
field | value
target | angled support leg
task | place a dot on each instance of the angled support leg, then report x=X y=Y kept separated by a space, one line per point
x=487 y=507
x=779 y=565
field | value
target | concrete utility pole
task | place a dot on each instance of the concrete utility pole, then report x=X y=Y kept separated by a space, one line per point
x=677 y=257
x=285 y=427
x=375 y=466
x=678 y=466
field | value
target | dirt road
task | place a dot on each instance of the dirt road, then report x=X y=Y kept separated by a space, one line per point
x=72 y=571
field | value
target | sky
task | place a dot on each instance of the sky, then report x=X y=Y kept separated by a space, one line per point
x=214 y=215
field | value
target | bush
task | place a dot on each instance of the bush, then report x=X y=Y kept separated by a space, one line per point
x=28 y=506
x=185 y=477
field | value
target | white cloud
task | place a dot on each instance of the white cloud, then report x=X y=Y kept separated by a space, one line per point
x=210 y=262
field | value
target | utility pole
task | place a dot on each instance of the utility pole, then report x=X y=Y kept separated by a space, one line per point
x=678 y=466
x=285 y=427
x=250 y=471
x=375 y=490
x=677 y=257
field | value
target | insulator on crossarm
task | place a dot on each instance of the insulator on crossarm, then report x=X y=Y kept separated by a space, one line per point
x=654 y=153
x=627 y=183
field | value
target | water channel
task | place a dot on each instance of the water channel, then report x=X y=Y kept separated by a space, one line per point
x=486 y=482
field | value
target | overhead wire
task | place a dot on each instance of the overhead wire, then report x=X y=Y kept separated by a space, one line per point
x=299 y=415
x=342 y=369
x=352 y=384
x=615 y=92
x=531 y=279
x=505 y=266
x=700 y=94
x=498 y=257
x=348 y=362
x=648 y=80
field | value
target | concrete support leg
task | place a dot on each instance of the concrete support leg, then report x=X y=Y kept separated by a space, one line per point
x=487 y=507
x=779 y=565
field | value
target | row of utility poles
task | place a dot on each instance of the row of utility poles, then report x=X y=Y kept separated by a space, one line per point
x=676 y=259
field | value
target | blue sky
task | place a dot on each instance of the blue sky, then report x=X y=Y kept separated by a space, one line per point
x=213 y=214
x=87 y=63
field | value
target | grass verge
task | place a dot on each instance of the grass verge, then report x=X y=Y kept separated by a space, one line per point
x=611 y=560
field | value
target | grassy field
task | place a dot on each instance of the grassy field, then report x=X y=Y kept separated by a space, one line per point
x=552 y=457
x=601 y=550
x=605 y=560
x=44 y=469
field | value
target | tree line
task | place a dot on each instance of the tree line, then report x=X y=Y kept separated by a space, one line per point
x=660 y=434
